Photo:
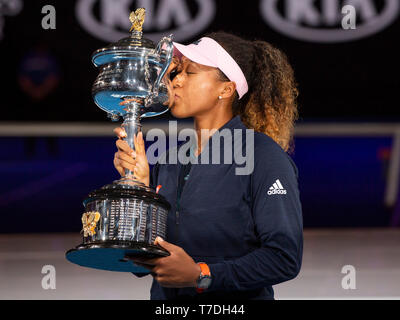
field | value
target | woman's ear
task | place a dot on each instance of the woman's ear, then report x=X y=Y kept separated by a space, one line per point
x=228 y=90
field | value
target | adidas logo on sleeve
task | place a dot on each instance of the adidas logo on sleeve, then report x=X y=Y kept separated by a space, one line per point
x=276 y=188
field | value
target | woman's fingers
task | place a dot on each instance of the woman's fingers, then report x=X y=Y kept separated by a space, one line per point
x=133 y=160
x=138 y=141
x=124 y=157
x=120 y=132
x=124 y=165
x=118 y=166
x=124 y=147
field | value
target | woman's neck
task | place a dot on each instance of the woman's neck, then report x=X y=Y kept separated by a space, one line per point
x=209 y=123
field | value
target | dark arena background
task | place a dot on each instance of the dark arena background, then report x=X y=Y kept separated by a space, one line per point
x=56 y=145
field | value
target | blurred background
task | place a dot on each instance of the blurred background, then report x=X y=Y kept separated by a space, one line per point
x=56 y=145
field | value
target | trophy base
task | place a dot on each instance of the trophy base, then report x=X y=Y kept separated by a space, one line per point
x=114 y=255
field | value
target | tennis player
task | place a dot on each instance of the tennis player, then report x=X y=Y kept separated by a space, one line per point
x=230 y=235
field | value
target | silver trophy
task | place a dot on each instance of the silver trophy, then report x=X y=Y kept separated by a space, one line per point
x=122 y=219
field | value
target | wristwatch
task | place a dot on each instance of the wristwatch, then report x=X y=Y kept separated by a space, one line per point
x=204 y=280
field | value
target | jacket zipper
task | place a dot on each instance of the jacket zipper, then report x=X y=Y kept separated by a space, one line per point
x=177 y=206
x=178 y=200
x=177 y=209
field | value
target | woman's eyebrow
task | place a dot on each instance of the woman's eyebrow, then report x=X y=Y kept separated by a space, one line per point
x=191 y=63
x=194 y=65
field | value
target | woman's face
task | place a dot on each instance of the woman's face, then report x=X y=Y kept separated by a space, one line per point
x=196 y=88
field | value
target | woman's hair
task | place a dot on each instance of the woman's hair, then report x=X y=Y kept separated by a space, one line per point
x=270 y=104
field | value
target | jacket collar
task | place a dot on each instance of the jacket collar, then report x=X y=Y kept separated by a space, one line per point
x=234 y=123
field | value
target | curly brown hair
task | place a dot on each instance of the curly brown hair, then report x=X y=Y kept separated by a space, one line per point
x=270 y=106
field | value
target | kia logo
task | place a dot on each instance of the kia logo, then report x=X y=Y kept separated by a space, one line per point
x=169 y=16
x=320 y=21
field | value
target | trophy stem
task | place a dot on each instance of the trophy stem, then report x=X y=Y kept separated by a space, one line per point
x=132 y=127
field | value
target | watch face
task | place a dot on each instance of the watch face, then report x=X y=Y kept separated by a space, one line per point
x=204 y=282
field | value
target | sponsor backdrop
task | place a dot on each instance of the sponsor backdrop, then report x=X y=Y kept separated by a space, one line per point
x=343 y=75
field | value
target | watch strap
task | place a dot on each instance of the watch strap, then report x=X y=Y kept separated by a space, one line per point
x=204 y=271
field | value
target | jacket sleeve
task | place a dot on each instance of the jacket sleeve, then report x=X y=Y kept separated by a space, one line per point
x=278 y=227
x=154 y=176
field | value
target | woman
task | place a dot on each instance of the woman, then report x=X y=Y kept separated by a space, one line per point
x=230 y=236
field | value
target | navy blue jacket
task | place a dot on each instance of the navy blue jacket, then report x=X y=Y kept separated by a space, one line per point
x=247 y=228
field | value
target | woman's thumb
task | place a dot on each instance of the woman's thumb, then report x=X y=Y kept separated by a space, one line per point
x=139 y=143
x=163 y=243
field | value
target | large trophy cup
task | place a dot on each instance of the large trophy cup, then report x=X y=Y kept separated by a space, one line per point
x=122 y=219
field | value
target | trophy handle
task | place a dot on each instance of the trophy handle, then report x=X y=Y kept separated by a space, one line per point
x=168 y=59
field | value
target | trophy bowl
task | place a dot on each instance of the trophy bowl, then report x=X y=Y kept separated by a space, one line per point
x=132 y=67
x=122 y=219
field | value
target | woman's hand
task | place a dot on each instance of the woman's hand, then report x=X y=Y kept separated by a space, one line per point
x=178 y=270
x=126 y=158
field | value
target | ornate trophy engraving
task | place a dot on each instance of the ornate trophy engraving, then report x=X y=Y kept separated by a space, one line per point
x=122 y=219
